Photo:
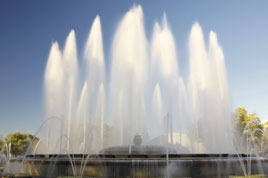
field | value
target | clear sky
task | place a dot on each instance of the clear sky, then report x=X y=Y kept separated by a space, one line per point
x=28 y=28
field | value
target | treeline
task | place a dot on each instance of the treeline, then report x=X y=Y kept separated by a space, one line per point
x=17 y=143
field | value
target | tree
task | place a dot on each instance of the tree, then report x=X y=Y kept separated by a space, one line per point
x=254 y=125
x=20 y=142
x=240 y=117
x=248 y=126
x=1 y=145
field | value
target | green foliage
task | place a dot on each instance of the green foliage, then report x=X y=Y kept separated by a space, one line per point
x=254 y=124
x=248 y=124
x=240 y=117
x=1 y=144
x=19 y=142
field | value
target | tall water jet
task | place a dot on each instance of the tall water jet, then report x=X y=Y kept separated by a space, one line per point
x=70 y=81
x=54 y=76
x=128 y=72
x=95 y=70
x=222 y=97
x=164 y=66
x=205 y=92
x=53 y=98
x=198 y=65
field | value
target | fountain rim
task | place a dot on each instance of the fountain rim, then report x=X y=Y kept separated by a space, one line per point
x=141 y=155
x=141 y=159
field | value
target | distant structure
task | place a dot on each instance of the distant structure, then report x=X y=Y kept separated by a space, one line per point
x=137 y=140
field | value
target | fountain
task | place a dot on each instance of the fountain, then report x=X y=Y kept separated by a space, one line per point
x=179 y=128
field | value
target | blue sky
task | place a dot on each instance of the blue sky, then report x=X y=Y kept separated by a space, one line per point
x=28 y=28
